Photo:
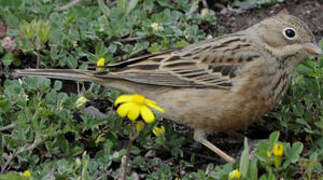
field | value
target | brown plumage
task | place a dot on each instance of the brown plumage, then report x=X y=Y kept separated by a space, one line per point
x=214 y=85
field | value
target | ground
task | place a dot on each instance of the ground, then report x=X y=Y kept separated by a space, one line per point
x=310 y=11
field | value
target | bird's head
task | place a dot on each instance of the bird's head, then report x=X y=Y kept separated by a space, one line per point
x=288 y=38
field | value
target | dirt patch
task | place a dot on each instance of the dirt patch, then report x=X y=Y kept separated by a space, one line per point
x=310 y=11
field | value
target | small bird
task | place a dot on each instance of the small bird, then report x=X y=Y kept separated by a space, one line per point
x=215 y=85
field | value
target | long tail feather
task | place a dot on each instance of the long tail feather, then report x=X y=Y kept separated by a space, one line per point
x=66 y=74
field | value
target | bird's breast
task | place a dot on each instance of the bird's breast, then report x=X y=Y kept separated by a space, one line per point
x=220 y=110
x=213 y=110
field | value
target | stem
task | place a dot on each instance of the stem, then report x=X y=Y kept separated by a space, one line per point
x=131 y=140
x=68 y=5
x=27 y=147
x=133 y=39
x=10 y=126
x=38 y=59
x=205 y=4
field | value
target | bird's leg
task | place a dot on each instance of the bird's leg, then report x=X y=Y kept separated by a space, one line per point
x=199 y=136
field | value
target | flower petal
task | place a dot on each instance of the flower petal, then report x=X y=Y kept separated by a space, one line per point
x=156 y=131
x=235 y=174
x=134 y=112
x=278 y=150
x=147 y=114
x=123 y=109
x=123 y=98
x=100 y=62
x=159 y=131
x=149 y=101
x=162 y=130
x=155 y=106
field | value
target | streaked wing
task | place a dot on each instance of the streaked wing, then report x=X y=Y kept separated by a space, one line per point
x=211 y=63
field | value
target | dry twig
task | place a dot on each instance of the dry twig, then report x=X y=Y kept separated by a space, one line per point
x=27 y=147
x=10 y=126
x=68 y=5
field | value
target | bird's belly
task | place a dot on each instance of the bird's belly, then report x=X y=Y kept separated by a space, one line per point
x=213 y=110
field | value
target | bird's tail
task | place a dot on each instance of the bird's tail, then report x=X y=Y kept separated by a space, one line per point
x=66 y=74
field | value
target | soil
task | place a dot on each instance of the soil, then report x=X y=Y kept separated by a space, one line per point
x=310 y=11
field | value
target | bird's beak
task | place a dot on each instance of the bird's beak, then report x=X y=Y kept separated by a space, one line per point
x=312 y=48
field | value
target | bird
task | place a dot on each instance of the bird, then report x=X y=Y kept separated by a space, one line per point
x=215 y=85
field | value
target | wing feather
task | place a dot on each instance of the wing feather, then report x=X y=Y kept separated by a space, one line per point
x=206 y=64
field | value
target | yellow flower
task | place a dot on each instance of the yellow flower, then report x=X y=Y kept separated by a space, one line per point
x=278 y=150
x=139 y=126
x=135 y=105
x=100 y=63
x=80 y=101
x=268 y=153
x=25 y=174
x=235 y=174
x=159 y=131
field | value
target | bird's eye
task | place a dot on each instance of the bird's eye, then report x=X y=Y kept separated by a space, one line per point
x=289 y=33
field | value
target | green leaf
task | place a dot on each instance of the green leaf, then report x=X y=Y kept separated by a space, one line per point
x=104 y=9
x=7 y=59
x=155 y=47
x=261 y=151
x=263 y=177
x=132 y=5
x=321 y=43
x=122 y=5
x=292 y=153
x=271 y=177
x=12 y=176
x=36 y=83
x=181 y=43
x=267 y=177
x=297 y=148
x=12 y=89
x=85 y=172
x=304 y=69
x=244 y=161
x=9 y=142
x=253 y=170
x=11 y=19
x=71 y=62
x=135 y=150
x=319 y=124
x=165 y=3
x=165 y=44
x=1 y=49
x=274 y=136
x=58 y=85
x=100 y=50
x=298 y=109
x=12 y=3
x=4 y=103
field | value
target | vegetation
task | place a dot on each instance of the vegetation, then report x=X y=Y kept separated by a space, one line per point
x=48 y=132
